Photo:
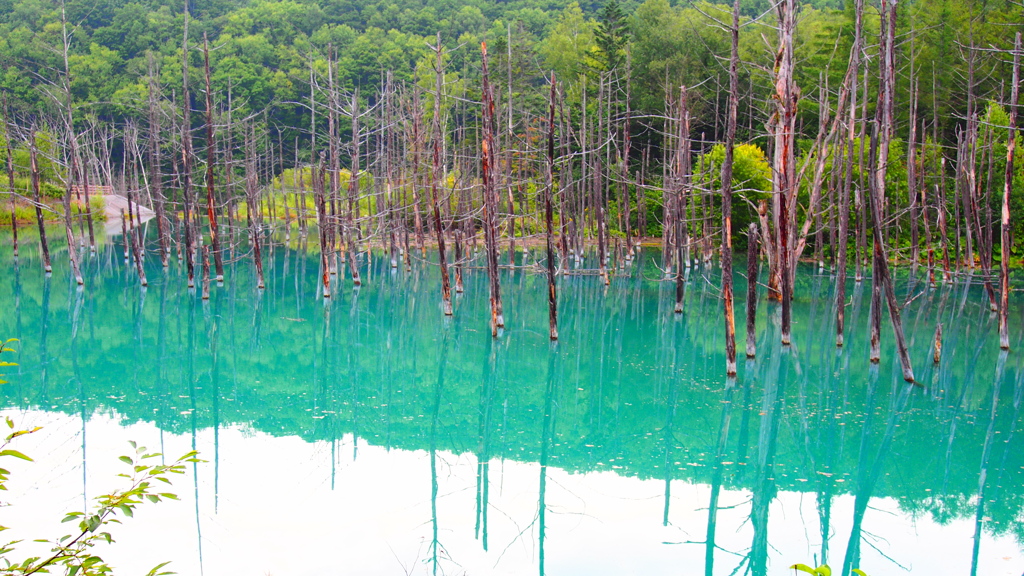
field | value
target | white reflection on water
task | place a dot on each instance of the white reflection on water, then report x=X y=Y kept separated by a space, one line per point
x=276 y=513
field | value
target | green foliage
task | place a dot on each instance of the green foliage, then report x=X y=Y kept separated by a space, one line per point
x=3 y=363
x=568 y=44
x=751 y=181
x=611 y=36
x=822 y=570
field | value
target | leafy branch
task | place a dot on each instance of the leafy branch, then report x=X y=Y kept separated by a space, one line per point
x=74 y=552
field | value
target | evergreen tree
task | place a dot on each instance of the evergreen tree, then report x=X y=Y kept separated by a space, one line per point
x=611 y=36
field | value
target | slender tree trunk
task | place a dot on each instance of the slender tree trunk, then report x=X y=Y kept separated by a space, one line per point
x=186 y=154
x=730 y=142
x=322 y=225
x=137 y=255
x=784 y=171
x=884 y=126
x=912 y=175
x=34 y=171
x=251 y=192
x=435 y=180
x=1004 y=245
x=549 y=177
x=844 y=208
x=859 y=202
x=352 y=230
x=10 y=179
x=459 y=286
x=73 y=173
x=753 y=265
x=417 y=116
x=206 y=273
x=211 y=205
x=489 y=157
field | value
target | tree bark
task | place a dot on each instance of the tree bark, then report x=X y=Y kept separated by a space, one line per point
x=730 y=142
x=784 y=172
x=1004 y=245
x=488 y=165
x=549 y=178
x=883 y=130
x=34 y=172
x=211 y=205
x=753 y=271
x=435 y=180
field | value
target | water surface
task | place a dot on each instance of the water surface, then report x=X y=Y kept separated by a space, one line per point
x=369 y=434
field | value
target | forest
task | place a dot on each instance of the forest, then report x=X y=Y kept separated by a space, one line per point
x=856 y=135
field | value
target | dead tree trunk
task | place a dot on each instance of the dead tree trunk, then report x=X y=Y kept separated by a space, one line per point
x=72 y=153
x=912 y=174
x=10 y=179
x=34 y=171
x=321 y=219
x=140 y=268
x=352 y=230
x=488 y=165
x=186 y=155
x=459 y=286
x=730 y=141
x=1004 y=244
x=417 y=119
x=883 y=135
x=206 y=273
x=753 y=265
x=784 y=172
x=253 y=211
x=211 y=205
x=435 y=180
x=844 y=208
x=549 y=177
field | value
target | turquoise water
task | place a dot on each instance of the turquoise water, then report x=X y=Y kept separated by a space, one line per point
x=369 y=434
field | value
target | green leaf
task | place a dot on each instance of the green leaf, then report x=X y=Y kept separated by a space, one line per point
x=156 y=570
x=859 y=572
x=126 y=460
x=804 y=568
x=14 y=453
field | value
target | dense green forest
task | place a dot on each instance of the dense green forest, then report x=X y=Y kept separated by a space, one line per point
x=268 y=58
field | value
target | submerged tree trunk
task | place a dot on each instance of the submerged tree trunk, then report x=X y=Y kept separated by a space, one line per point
x=784 y=173
x=844 y=202
x=10 y=179
x=549 y=216
x=730 y=141
x=34 y=171
x=72 y=153
x=186 y=155
x=753 y=265
x=1004 y=244
x=435 y=180
x=211 y=206
x=883 y=131
x=488 y=165
x=253 y=211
